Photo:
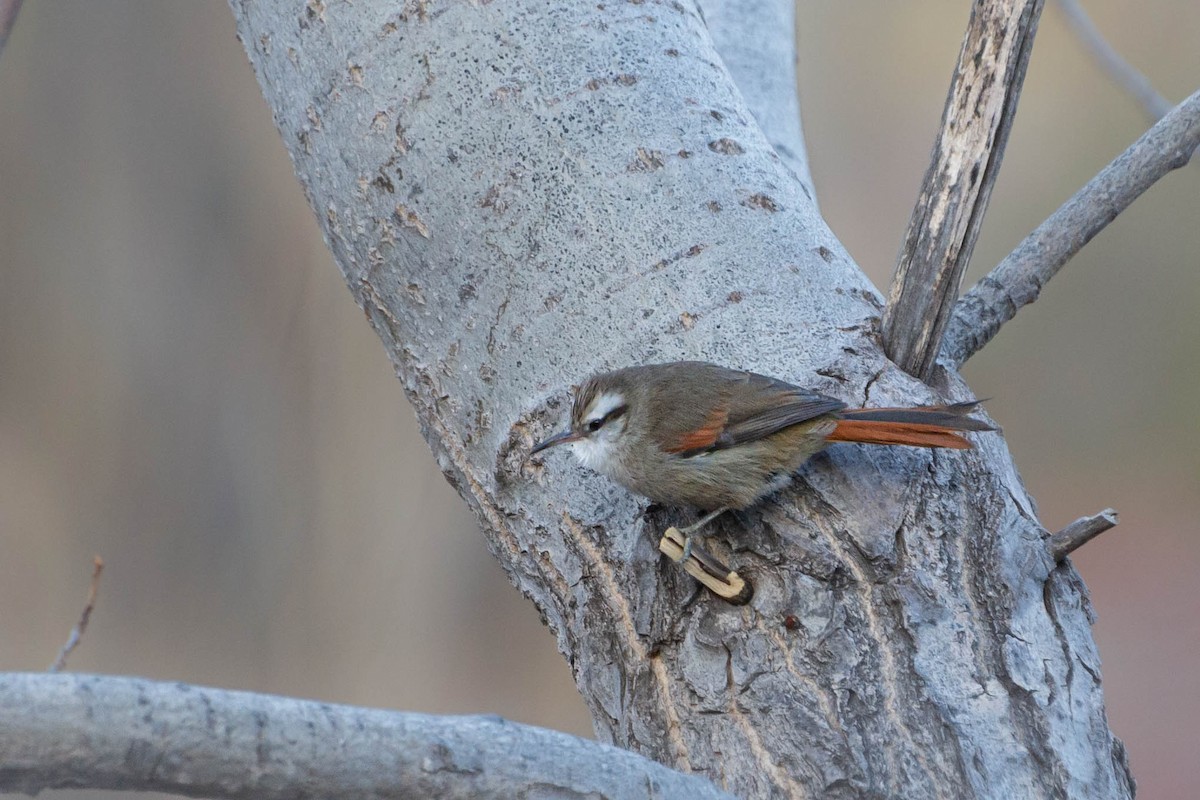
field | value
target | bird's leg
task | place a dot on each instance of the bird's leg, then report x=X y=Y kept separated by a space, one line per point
x=688 y=532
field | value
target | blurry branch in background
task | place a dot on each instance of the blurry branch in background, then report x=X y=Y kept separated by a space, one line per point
x=949 y=211
x=1080 y=532
x=1120 y=70
x=1018 y=279
x=104 y=732
x=77 y=632
x=8 y=16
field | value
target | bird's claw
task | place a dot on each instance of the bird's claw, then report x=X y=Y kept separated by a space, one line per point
x=688 y=540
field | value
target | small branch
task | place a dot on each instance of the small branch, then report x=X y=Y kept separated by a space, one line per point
x=77 y=632
x=106 y=732
x=1080 y=532
x=1018 y=279
x=1120 y=70
x=8 y=17
x=948 y=215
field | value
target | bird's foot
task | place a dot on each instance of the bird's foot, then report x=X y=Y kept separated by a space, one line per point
x=720 y=579
x=690 y=536
x=700 y=523
x=688 y=540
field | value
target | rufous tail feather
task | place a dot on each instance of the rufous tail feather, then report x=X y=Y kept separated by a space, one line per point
x=914 y=435
x=928 y=426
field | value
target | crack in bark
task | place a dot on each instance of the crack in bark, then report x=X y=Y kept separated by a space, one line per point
x=968 y=580
x=870 y=383
x=623 y=616
x=826 y=703
x=491 y=337
x=863 y=581
x=1068 y=656
x=674 y=726
x=617 y=601
x=764 y=757
x=1031 y=730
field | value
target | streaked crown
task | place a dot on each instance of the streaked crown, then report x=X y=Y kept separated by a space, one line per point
x=595 y=404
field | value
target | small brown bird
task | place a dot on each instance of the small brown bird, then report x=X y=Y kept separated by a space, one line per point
x=696 y=434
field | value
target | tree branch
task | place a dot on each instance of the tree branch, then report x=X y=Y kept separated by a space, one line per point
x=76 y=635
x=8 y=18
x=1018 y=280
x=966 y=161
x=1120 y=70
x=1080 y=532
x=104 y=732
x=522 y=193
x=757 y=42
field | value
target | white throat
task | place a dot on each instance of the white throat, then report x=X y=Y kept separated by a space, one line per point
x=593 y=453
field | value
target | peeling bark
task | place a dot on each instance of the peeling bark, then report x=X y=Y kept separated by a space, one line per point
x=948 y=214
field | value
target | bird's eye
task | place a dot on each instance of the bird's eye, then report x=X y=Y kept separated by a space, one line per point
x=594 y=425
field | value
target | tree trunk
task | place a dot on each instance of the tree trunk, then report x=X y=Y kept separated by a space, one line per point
x=521 y=193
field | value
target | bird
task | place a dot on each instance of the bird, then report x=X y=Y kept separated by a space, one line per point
x=692 y=433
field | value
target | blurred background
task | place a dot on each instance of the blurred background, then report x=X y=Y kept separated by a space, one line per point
x=188 y=390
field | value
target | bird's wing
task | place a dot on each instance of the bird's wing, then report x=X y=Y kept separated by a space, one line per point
x=791 y=411
x=743 y=407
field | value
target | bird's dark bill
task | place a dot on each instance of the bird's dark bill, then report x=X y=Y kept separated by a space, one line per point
x=558 y=438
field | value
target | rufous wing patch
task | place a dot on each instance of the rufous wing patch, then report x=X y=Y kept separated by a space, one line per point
x=703 y=437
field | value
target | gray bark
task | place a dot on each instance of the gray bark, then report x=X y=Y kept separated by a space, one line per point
x=520 y=193
x=96 y=731
x=757 y=43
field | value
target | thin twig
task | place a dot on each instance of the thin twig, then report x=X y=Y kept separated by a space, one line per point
x=1120 y=70
x=8 y=17
x=77 y=632
x=1018 y=279
x=948 y=214
x=1080 y=532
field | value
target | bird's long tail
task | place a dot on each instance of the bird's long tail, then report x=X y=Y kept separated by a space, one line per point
x=925 y=426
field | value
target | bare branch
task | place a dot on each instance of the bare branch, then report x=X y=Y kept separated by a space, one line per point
x=8 y=18
x=77 y=632
x=1080 y=532
x=966 y=160
x=1018 y=279
x=105 y=732
x=1120 y=70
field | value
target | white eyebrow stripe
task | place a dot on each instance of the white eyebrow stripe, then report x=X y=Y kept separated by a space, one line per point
x=605 y=403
